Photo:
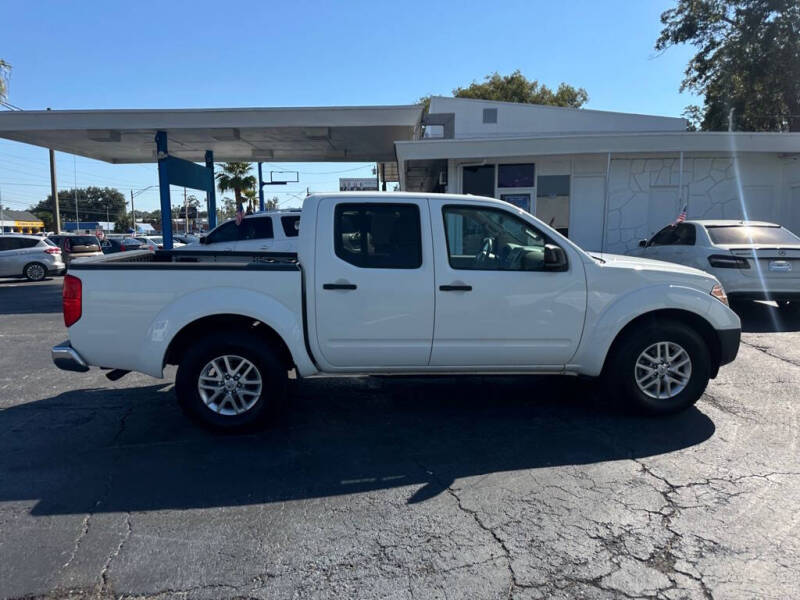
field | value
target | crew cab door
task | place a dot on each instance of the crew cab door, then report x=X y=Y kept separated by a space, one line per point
x=373 y=283
x=496 y=305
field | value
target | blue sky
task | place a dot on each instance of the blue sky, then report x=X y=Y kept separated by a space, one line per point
x=203 y=54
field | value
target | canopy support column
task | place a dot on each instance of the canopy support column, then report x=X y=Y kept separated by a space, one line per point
x=163 y=189
x=260 y=189
x=211 y=192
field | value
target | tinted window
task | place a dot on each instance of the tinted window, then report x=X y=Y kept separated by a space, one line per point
x=256 y=229
x=378 y=236
x=491 y=240
x=666 y=237
x=7 y=243
x=291 y=225
x=227 y=232
x=84 y=240
x=740 y=234
x=515 y=176
x=27 y=243
x=478 y=180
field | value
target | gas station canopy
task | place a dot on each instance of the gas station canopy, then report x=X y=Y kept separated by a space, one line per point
x=330 y=134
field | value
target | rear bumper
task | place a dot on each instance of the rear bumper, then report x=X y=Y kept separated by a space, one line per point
x=66 y=358
x=728 y=344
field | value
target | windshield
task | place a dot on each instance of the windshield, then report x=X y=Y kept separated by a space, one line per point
x=758 y=235
x=84 y=240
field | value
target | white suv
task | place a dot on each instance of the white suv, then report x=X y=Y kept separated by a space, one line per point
x=753 y=260
x=274 y=231
x=29 y=256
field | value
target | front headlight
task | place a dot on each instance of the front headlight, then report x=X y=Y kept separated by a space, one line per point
x=719 y=293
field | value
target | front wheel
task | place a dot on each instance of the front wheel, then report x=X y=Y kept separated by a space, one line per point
x=231 y=381
x=659 y=368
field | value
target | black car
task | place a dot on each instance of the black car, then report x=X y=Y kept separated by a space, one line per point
x=112 y=245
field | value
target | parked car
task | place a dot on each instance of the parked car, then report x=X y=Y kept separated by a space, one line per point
x=753 y=260
x=156 y=242
x=185 y=238
x=76 y=246
x=30 y=256
x=273 y=231
x=384 y=283
x=112 y=245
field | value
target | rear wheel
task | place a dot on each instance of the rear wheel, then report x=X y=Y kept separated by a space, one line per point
x=659 y=368
x=35 y=271
x=231 y=381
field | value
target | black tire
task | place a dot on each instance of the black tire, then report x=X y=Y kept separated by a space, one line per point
x=620 y=374
x=270 y=369
x=35 y=271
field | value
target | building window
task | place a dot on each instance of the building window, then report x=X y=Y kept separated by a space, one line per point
x=516 y=176
x=490 y=115
x=478 y=180
x=552 y=201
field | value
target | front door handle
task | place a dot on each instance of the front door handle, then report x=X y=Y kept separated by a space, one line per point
x=455 y=288
x=339 y=286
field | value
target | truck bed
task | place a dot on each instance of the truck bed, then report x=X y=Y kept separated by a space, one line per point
x=135 y=302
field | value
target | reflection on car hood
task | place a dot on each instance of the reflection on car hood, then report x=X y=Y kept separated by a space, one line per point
x=634 y=262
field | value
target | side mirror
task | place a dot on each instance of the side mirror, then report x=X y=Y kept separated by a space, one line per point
x=555 y=259
x=642 y=243
x=203 y=240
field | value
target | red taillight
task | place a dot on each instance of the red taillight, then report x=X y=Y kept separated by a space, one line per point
x=72 y=297
x=122 y=247
x=53 y=250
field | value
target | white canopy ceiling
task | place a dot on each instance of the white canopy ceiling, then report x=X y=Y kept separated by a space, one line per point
x=335 y=134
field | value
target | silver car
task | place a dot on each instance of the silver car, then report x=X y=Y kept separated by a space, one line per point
x=29 y=256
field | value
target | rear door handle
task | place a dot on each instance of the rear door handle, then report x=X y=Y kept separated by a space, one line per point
x=339 y=286
x=455 y=288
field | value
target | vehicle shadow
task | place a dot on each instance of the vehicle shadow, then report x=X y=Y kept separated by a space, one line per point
x=763 y=317
x=27 y=298
x=100 y=450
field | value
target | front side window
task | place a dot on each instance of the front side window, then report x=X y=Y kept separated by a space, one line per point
x=227 y=232
x=378 y=236
x=666 y=237
x=492 y=240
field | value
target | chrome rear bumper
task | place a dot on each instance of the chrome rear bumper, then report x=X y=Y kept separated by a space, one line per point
x=66 y=358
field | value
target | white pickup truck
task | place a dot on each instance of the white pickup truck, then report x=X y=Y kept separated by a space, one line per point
x=398 y=283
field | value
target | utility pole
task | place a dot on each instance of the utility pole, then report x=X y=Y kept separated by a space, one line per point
x=2 y=227
x=54 y=190
x=133 y=215
x=77 y=220
x=185 y=212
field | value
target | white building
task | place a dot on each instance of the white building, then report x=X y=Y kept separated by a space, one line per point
x=605 y=179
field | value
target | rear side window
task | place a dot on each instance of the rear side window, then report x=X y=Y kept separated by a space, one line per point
x=378 y=236
x=27 y=243
x=291 y=225
x=256 y=229
x=759 y=235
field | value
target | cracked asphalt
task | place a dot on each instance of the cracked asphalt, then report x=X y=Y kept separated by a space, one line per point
x=478 y=487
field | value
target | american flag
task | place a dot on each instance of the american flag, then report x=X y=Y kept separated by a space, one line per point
x=239 y=213
x=682 y=217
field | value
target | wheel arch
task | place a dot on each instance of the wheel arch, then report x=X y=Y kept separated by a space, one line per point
x=226 y=322
x=689 y=318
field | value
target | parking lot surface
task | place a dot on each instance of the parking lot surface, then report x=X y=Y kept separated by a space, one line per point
x=474 y=487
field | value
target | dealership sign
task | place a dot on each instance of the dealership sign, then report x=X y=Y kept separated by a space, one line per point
x=358 y=184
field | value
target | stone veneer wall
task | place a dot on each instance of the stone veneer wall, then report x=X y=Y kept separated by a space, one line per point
x=644 y=194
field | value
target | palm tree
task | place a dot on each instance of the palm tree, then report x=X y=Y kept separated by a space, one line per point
x=5 y=68
x=234 y=176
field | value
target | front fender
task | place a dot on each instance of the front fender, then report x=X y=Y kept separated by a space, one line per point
x=605 y=321
x=195 y=305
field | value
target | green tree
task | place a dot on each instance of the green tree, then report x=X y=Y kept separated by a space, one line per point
x=5 y=70
x=748 y=60
x=94 y=204
x=271 y=203
x=518 y=88
x=227 y=208
x=235 y=177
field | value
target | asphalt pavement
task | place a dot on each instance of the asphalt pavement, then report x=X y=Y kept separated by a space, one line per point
x=476 y=487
